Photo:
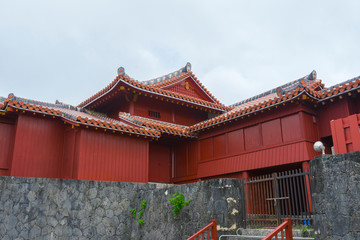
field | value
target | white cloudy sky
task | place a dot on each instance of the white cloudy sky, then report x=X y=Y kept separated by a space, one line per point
x=68 y=50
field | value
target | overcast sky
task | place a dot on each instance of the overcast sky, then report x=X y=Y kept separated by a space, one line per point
x=69 y=50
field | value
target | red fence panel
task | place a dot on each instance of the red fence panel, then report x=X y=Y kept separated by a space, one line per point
x=346 y=134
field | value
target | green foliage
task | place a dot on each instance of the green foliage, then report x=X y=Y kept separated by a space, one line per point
x=304 y=229
x=133 y=212
x=178 y=202
x=140 y=213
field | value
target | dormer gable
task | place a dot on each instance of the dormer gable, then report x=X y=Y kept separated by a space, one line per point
x=183 y=81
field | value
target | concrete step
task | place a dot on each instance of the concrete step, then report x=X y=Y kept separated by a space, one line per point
x=265 y=231
x=250 y=234
x=245 y=237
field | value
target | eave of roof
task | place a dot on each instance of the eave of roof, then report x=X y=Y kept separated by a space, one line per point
x=148 y=88
x=75 y=117
x=247 y=111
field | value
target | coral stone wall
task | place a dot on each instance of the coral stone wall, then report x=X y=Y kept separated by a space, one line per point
x=39 y=208
x=336 y=196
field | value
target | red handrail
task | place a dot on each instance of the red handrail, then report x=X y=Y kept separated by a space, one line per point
x=209 y=228
x=286 y=225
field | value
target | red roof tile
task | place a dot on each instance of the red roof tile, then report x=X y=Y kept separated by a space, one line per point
x=313 y=88
x=145 y=126
x=165 y=127
x=72 y=114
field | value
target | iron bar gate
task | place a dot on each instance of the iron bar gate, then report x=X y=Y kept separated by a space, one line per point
x=273 y=197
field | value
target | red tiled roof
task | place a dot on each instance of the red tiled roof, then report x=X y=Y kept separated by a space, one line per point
x=165 y=127
x=339 y=89
x=150 y=88
x=287 y=92
x=75 y=116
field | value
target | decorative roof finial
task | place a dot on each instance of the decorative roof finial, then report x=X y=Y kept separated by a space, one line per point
x=121 y=71
x=11 y=96
x=187 y=67
x=312 y=75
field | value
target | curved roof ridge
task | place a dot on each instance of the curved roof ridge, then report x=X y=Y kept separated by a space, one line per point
x=282 y=89
x=57 y=104
x=340 y=84
x=185 y=69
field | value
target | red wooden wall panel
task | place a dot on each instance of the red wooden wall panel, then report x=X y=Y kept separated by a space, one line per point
x=6 y=146
x=193 y=156
x=103 y=156
x=266 y=144
x=188 y=116
x=252 y=137
x=143 y=105
x=291 y=127
x=219 y=146
x=272 y=156
x=69 y=149
x=271 y=132
x=159 y=162
x=169 y=112
x=37 y=148
x=310 y=127
x=206 y=149
x=181 y=161
x=236 y=142
x=331 y=111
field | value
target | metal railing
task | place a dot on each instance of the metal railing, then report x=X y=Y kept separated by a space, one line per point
x=209 y=232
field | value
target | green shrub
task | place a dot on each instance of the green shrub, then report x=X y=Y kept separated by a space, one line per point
x=140 y=213
x=178 y=202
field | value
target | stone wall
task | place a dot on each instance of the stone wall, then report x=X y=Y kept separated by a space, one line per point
x=34 y=208
x=336 y=196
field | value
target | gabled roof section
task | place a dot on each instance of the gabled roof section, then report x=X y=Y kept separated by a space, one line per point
x=123 y=80
x=164 y=127
x=171 y=80
x=75 y=116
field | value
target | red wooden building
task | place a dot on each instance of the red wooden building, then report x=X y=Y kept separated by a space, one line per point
x=172 y=129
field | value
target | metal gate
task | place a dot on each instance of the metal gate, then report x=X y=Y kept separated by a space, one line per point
x=273 y=197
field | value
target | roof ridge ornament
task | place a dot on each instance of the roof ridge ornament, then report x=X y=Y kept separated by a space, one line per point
x=312 y=75
x=11 y=96
x=121 y=71
x=187 y=68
